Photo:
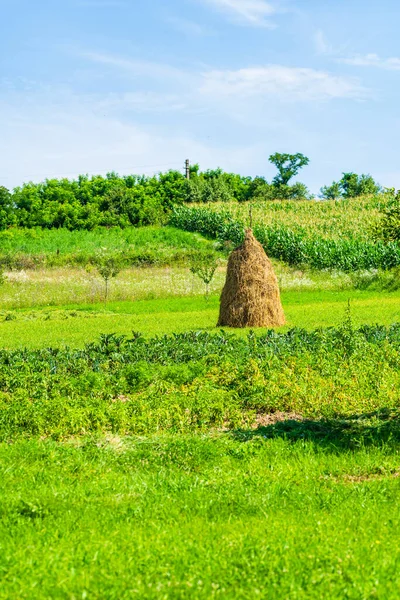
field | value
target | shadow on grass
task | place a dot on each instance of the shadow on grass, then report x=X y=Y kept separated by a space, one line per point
x=370 y=429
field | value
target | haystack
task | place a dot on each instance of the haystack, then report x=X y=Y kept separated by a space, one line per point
x=250 y=297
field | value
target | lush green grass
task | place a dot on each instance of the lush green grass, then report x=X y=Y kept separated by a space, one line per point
x=75 y=324
x=30 y=248
x=199 y=517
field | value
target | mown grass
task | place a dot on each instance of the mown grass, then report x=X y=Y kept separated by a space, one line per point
x=33 y=248
x=76 y=324
x=198 y=517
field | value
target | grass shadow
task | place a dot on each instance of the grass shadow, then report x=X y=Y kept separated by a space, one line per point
x=342 y=433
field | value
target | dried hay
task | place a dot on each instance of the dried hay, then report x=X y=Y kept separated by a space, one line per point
x=250 y=297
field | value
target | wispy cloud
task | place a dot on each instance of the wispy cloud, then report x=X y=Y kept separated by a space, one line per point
x=187 y=27
x=256 y=13
x=56 y=133
x=133 y=66
x=372 y=60
x=284 y=82
x=287 y=83
x=322 y=45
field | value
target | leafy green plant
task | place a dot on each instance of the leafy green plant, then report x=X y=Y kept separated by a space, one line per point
x=204 y=266
x=332 y=192
x=288 y=166
x=388 y=228
x=351 y=185
x=108 y=266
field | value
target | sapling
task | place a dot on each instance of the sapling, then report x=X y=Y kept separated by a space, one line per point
x=204 y=267
x=108 y=266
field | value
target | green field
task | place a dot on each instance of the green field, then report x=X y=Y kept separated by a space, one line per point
x=199 y=517
x=33 y=248
x=76 y=324
x=182 y=461
x=330 y=219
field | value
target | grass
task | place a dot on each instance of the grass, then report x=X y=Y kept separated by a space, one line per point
x=33 y=248
x=242 y=473
x=76 y=324
x=58 y=286
x=215 y=516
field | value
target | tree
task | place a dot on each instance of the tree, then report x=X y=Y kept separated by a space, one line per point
x=288 y=166
x=331 y=192
x=6 y=214
x=388 y=229
x=204 y=266
x=108 y=266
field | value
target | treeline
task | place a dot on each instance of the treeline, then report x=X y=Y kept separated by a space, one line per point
x=121 y=201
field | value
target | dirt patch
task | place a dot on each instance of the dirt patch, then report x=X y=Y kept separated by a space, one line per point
x=362 y=477
x=263 y=420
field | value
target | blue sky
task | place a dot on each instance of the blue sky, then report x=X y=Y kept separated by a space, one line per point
x=90 y=86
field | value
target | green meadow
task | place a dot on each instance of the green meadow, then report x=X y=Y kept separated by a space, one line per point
x=76 y=324
x=144 y=453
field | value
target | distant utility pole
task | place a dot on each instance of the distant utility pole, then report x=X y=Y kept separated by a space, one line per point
x=187 y=168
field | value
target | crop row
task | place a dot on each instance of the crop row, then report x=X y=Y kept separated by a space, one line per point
x=292 y=246
x=197 y=380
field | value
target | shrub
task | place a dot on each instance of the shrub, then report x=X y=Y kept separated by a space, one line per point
x=351 y=186
x=388 y=229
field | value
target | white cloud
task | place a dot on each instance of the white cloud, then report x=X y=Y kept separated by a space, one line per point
x=187 y=27
x=59 y=134
x=133 y=66
x=287 y=83
x=322 y=45
x=372 y=60
x=246 y=12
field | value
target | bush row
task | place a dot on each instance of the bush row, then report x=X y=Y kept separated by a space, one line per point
x=90 y=202
x=293 y=247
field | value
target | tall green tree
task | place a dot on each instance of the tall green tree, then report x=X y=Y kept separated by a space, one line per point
x=288 y=166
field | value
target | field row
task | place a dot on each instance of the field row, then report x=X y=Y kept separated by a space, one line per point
x=295 y=246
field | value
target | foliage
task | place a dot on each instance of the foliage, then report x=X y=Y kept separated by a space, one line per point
x=144 y=246
x=293 y=247
x=388 y=228
x=351 y=186
x=122 y=201
x=87 y=203
x=204 y=266
x=288 y=166
x=7 y=217
x=332 y=192
x=108 y=266
x=196 y=380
